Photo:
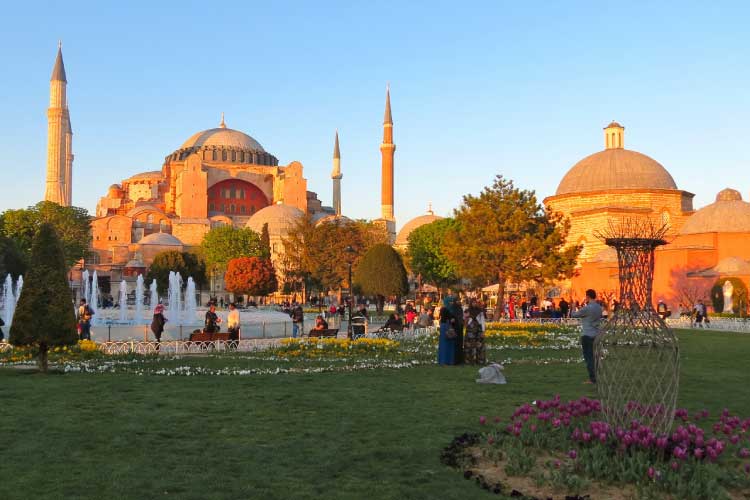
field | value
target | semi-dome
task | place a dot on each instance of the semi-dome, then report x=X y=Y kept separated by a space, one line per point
x=728 y=214
x=402 y=238
x=615 y=168
x=161 y=239
x=221 y=136
x=145 y=176
x=279 y=217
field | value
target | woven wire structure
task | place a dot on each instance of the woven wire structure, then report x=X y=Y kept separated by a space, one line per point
x=636 y=353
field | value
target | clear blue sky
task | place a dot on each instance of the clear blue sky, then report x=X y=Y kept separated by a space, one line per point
x=521 y=89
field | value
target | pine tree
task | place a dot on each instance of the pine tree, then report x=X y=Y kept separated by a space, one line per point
x=45 y=314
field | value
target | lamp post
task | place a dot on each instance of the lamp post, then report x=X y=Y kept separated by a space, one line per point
x=350 y=252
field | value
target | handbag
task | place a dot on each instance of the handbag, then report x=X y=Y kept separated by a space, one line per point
x=450 y=333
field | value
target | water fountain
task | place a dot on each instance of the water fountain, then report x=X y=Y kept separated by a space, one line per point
x=94 y=300
x=123 y=301
x=190 y=303
x=154 y=294
x=19 y=288
x=85 y=286
x=139 y=300
x=9 y=301
x=174 y=296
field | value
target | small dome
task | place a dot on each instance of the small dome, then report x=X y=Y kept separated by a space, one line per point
x=161 y=239
x=222 y=137
x=402 y=239
x=729 y=195
x=279 y=217
x=615 y=168
x=728 y=214
x=143 y=176
x=614 y=124
x=326 y=218
x=115 y=186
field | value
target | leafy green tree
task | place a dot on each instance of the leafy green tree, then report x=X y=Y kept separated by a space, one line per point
x=44 y=315
x=505 y=234
x=381 y=273
x=186 y=263
x=265 y=242
x=224 y=243
x=426 y=256
x=72 y=225
x=12 y=259
x=251 y=276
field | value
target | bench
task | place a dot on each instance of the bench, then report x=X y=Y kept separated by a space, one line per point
x=331 y=332
x=208 y=337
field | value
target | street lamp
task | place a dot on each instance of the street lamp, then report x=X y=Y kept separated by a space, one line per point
x=350 y=254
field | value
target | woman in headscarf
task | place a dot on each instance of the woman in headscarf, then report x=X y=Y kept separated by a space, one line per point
x=157 y=324
x=458 y=314
x=448 y=333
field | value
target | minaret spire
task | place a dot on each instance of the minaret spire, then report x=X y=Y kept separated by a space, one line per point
x=59 y=137
x=336 y=175
x=387 y=150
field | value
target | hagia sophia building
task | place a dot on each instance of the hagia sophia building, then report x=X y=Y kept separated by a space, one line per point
x=224 y=176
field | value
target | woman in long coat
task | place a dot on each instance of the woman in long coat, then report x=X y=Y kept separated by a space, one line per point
x=157 y=324
x=447 y=346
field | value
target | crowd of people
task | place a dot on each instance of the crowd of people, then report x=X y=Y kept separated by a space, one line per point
x=461 y=332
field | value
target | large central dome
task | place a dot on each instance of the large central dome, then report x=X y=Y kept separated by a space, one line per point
x=221 y=136
x=615 y=168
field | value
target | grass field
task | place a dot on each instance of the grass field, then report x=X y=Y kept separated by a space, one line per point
x=366 y=434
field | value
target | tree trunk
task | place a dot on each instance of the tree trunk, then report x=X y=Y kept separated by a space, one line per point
x=379 y=303
x=42 y=359
x=500 y=306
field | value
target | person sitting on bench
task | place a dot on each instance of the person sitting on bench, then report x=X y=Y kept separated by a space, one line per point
x=394 y=323
x=212 y=320
x=320 y=323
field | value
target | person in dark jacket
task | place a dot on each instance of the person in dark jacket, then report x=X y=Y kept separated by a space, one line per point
x=157 y=324
x=212 y=320
x=394 y=323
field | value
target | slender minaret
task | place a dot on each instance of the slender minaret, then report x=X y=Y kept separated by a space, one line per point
x=387 y=149
x=68 y=186
x=59 y=136
x=336 y=175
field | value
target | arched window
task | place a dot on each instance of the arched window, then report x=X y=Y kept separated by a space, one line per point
x=242 y=209
x=232 y=192
x=231 y=208
x=223 y=155
x=213 y=155
x=149 y=221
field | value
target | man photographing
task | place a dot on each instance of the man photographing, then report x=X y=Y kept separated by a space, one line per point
x=591 y=316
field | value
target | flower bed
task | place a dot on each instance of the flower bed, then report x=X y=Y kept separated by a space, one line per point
x=566 y=447
x=82 y=350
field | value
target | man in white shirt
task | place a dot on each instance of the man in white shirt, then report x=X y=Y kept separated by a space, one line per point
x=233 y=324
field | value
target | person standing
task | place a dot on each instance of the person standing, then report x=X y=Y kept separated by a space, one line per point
x=591 y=316
x=212 y=320
x=457 y=313
x=298 y=320
x=233 y=325
x=448 y=334
x=157 y=324
x=84 y=320
x=564 y=308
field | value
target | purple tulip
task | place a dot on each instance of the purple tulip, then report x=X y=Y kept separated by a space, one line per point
x=744 y=453
x=482 y=420
x=651 y=472
x=572 y=454
x=698 y=453
x=675 y=465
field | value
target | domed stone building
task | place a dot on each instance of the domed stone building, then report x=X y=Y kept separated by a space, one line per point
x=613 y=184
x=402 y=238
x=217 y=176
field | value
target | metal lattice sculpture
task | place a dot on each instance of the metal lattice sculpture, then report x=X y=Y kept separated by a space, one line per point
x=637 y=357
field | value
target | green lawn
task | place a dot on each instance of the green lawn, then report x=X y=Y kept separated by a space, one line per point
x=367 y=434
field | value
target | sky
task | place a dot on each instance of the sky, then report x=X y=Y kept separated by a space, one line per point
x=478 y=89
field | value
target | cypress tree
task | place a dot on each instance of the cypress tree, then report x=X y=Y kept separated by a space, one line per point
x=265 y=242
x=45 y=314
x=381 y=273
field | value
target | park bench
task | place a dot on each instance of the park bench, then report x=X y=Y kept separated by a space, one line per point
x=331 y=332
x=208 y=337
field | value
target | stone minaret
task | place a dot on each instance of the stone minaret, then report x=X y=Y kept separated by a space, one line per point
x=387 y=149
x=614 y=136
x=336 y=175
x=59 y=138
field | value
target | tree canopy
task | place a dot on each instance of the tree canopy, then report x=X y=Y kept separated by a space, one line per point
x=71 y=224
x=265 y=242
x=251 y=276
x=186 y=263
x=12 y=259
x=505 y=234
x=381 y=273
x=44 y=314
x=224 y=243
x=426 y=255
x=315 y=254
